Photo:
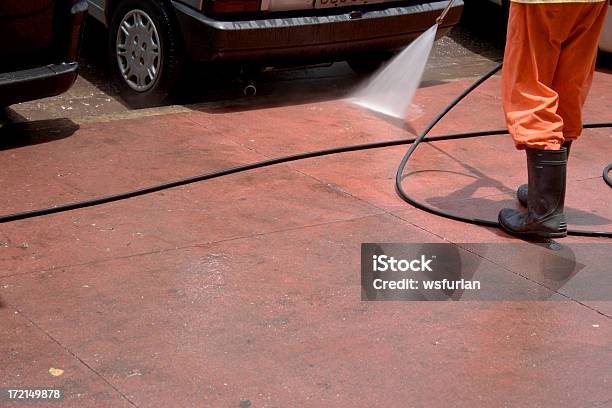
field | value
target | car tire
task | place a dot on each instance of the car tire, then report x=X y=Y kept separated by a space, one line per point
x=367 y=64
x=145 y=51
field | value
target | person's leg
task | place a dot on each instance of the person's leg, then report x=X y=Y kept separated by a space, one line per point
x=522 y=193
x=544 y=218
x=533 y=48
x=574 y=73
x=533 y=120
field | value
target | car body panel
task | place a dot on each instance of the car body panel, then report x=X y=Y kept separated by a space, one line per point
x=288 y=5
x=288 y=33
x=36 y=83
x=98 y=8
x=325 y=37
x=40 y=60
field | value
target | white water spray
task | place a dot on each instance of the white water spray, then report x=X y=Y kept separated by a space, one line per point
x=391 y=89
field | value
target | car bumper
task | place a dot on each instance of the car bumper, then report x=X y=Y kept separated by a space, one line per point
x=36 y=83
x=329 y=37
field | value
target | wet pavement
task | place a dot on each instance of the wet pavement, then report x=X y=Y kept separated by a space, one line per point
x=244 y=291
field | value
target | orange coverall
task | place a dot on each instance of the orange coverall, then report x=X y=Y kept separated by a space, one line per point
x=549 y=61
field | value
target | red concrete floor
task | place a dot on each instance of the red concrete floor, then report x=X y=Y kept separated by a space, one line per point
x=245 y=291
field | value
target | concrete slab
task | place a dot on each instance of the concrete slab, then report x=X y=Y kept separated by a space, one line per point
x=275 y=320
x=111 y=157
x=241 y=205
x=245 y=291
x=28 y=353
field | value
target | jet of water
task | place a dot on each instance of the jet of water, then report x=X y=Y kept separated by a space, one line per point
x=391 y=89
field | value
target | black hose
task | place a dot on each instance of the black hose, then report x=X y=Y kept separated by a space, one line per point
x=606 y=174
x=421 y=137
x=477 y=221
x=326 y=152
x=220 y=173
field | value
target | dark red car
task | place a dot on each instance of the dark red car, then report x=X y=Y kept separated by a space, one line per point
x=39 y=47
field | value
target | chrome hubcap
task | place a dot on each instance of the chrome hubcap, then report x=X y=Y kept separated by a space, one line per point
x=138 y=50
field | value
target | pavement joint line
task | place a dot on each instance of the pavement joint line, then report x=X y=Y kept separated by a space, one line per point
x=510 y=193
x=74 y=355
x=347 y=193
x=193 y=244
x=69 y=185
x=420 y=227
x=458 y=244
x=598 y=177
x=64 y=183
x=291 y=167
x=537 y=283
x=600 y=403
x=338 y=189
x=80 y=190
x=559 y=293
x=383 y=210
x=250 y=149
x=454 y=243
x=304 y=173
x=182 y=109
x=262 y=234
x=236 y=143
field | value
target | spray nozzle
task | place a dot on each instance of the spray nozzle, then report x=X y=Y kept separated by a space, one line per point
x=444 y=12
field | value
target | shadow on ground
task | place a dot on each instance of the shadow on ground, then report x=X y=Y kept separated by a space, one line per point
x=17 y=132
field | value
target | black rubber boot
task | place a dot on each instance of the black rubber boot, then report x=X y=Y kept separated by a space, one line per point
x=522 y=192
x=544 y=217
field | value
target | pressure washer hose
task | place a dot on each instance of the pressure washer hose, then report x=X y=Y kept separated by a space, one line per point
x=477 y=221
x=606 y=174
x=414 y=142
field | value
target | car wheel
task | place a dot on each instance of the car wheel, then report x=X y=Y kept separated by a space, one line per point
x=368 y=63
x=145 y=52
